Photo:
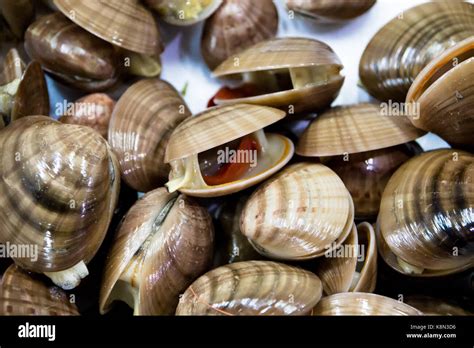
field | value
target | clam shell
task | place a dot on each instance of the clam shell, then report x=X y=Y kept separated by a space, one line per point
x=71 y=53
x=163 y=244
x=287 y=53
x=23 y=294
x=330 y=10
x=443 y=91
x=115 y=21
x=252 y=288
x=58 y=190
x=140 y=129
x=235 y=26
x=366 y=174
x=18 y=14
x=166 y=8
x=301 y=213
x=359 y=303
x=355 y=128
x=93 y=110
x=426 y=215
x=353 y=265
x=13 y=67
x=435 y=306
x=404 y=46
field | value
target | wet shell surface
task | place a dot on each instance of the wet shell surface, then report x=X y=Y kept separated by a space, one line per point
x=235 y=26
x=312 y=67
x=359 y=303
x=445 y=97
x=184 y=12
x=252 y=288
x=404 y=46
x=426 y=215
x=23 y=294
x=330 y=10
x=163 y=244
x=59 y=186
x=353 y=129
x=140 y=128
x=115 y=21
x=353 y=265
x=300 y=213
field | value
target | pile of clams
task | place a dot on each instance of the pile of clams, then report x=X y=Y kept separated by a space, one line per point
x=236 y=213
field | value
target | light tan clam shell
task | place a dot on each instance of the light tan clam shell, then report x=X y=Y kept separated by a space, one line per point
x=299 y=214
x=313 y=66
x=425 y=220
x=330 y=10
x=359 y=303
x=141 y=125
x=355 y=128
x=58 y=191
x=184 y=12
x=23 y=294
x=353 y=265
x=444 y=96
x=252 y=288
x=404 y=46
x=164 y=243
x=13 y=67
x=235 y=26
x=124 y=23
x=218 y=126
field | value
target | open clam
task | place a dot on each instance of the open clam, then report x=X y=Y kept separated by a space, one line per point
x=330 y=10
x=301 y=213
x=359 y=303
x=294 y=74
x=115 y=21
x=26 y=94
x=426 y=215
x=163 y=244
x=364 y=147
x=23 y=294
x=404 y=46
x=58 y=191
x=252 y=288
x=353 y=265
x=140 y=128
x=444 y=97
x=72 y=54
x=225 y=149
x=184 y=12
x=235 y=26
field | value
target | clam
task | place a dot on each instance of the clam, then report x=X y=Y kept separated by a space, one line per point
x=184 y=12
x=13 y=67
x=235 y=26
x=359 y=303
x=140 y=128
x=93 y=110
x=18 y=14
x=27 y=94
x=252 y=288
x=294 y=74
x=72 y=54
x=365 y=147
x=443 y=95
x=163 y=244
x=426 y=215
x=232 y=246
x=301 y=213
x=23 y=294
x=435 y=306
x=224 y=150
x=353 y=265
x=332 y=10
x=404 y=46
x=58 y=190
x=123 y=23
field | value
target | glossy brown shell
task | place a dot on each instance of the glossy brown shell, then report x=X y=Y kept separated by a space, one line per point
x=330 y=10
x=58 y=191
x=140 y=129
